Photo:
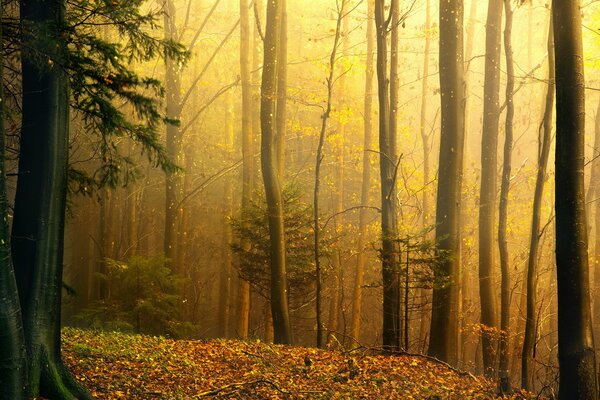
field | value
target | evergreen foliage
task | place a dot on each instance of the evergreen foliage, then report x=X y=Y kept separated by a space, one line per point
x=144 y=297
x=111 y=99
x=252 y=227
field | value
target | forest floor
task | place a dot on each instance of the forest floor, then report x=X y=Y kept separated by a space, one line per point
x=123 y=366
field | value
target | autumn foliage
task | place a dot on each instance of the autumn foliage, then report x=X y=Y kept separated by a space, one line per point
x=122 y=366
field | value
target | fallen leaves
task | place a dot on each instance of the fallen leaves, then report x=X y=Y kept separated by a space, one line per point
x=122 y=366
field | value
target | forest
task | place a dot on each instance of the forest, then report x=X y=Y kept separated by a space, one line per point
x=415 y=180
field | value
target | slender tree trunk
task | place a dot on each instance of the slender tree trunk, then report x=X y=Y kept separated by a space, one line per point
x=366 y=178
x=173 y=178
x=425 y=138
x=226 y=278
x=39 y=215
x=248 y=172
x=444 y=317
x=270 y=173
x=503 y=353
x=487 y=197
x=387 y=164
x=466 y=275
x=529 y=337
x=576 y=354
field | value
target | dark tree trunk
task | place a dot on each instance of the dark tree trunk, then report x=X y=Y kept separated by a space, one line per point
x=576 y=354
x=444 y=316
x=487 y=197
x=279 y=290
x=387 y=85
x=38 y=225
x=503 y=213
x=529 y=337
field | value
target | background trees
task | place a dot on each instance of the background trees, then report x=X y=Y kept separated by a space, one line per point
x=114 y=76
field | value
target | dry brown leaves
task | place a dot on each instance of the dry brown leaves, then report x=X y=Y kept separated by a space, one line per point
x=121 y=366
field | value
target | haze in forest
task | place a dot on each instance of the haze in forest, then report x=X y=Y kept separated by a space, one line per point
x=330 y=173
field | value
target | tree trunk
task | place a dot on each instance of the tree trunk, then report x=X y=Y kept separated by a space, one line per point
x=225 y=276
x=466 y=276
x=576 y=354
x=425 y=140
x=444 y=316
x=366 y=179
x=248 y=171
x=387 y=164
x=38 y=225
x=529 y=337
x=270 y=173
x=487 y=197
x=173 y=178
x=503 y=353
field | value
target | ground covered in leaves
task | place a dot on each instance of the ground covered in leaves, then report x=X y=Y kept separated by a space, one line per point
x=122 y=366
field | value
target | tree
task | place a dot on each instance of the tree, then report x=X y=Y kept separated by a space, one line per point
x=444 y=316
x=270 y=173
x=503 y=213
x=576 y=353
x=174 y=180
x=247 y=152
x=41 y=199
x=529 y=337
x=388 y=88
x=95 y=72
x=488 y=189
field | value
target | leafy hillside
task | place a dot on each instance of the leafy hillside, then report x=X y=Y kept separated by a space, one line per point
x=122 y=366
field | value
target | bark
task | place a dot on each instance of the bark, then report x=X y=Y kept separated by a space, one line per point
x=38 y=224
x=444 y=317
x=576 y=354
x=366 y=179
x=529 y=337
x=387 y=85
x=487 y=196
x=270 y=173
x=248 y=170
x=503 y=353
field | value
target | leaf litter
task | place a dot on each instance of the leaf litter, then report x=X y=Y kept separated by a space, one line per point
x=124 y=366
